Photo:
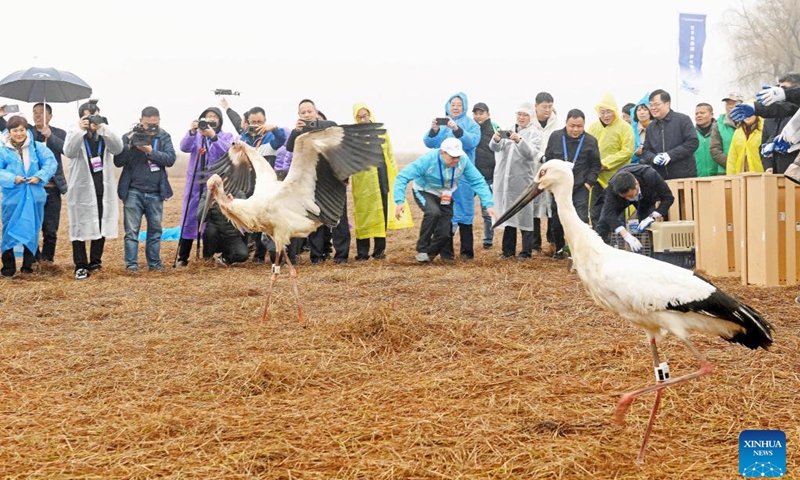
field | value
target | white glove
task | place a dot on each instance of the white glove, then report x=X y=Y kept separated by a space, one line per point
x=769 y=95
x=661 y=159
x=632 y=242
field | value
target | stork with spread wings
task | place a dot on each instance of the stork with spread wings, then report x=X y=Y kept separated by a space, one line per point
x=313 y=192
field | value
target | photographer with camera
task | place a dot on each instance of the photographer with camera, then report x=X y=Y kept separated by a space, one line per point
x=206 y=142
x=457 y=124
x=147 y=152
x=518 y=160
x=92 y=205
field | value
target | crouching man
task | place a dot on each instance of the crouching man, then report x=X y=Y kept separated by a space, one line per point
x=436 y=175
x=220 y=236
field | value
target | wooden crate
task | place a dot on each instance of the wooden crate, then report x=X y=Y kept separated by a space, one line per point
x=771 y=206
x=719 y=227
x=683 y=206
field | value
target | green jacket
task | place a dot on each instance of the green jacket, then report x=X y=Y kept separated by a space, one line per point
x=706 y=166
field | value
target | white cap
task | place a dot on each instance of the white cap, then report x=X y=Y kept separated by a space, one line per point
x=452 y=146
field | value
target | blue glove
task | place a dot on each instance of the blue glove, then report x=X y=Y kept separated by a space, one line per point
x=645 y=224
x=769 y=95
x=741 y=111
x=767 y=149
x=781 y=145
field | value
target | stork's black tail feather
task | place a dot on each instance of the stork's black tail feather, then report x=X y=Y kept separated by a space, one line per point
x=757 y=331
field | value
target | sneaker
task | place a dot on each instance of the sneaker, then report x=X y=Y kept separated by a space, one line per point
x=94 y=267
x=422 y=257
x=221 y=261
x=559 y=255
x=523 y=257
x=132 y=269
x=159 y=268
x=505 y=256
x=81 y=274
x=379 y=256
x=181 y=264
x=261 y=260
x=487 y=246
x=339 y=261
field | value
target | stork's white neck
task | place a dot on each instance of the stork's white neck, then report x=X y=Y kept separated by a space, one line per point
x=584 y=244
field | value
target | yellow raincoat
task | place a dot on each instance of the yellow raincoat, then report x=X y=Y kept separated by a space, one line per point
x=367 y=203
x=745 y=148
x=615 y=140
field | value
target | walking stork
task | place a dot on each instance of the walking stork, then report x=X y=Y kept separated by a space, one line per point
x=312 y=194
x=656 y=296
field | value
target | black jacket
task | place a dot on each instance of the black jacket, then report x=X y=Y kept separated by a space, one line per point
x=675 y=135
x=56 y=145
x=653 y=189
x=587 y=167
x=484 y=156
x=776 y=116
x=225 y=228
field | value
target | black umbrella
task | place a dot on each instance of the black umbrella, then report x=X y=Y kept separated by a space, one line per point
x=44 y=85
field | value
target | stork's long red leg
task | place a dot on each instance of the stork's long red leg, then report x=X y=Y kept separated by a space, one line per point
x=293 y=278
x=276 y=270
x=627 y=399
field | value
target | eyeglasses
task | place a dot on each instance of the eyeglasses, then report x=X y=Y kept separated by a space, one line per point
x=363 y=117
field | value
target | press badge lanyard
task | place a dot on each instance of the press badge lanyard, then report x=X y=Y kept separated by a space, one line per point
x=577 y=152
x=95 y=161
x=441 y=175
x=154 y=167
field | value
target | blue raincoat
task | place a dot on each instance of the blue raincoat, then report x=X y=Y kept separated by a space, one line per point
x=463 y=197
x=635 y=125
x=22 y=203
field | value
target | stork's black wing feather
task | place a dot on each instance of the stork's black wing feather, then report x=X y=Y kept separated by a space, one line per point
x=236 y=171
x=757 y=331
x=334 y=154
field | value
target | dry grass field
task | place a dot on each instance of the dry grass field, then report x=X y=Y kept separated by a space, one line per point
x=486 y=369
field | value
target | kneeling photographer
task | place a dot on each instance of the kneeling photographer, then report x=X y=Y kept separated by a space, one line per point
x=219 y=234
x=147 y=152
x=207 y=143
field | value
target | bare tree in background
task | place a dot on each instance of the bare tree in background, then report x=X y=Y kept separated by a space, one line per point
x=765 y=39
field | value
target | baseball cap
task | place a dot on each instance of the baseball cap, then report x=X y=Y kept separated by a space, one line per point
x=452 y=146
x=734 y=96
x=480 y=106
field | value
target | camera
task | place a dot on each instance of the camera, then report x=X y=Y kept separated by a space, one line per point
x=504 y=133
x=204 y=124
x=310 y=124
x=93 y=116
x=143 y=134
x=442 y=120
x=253 y=129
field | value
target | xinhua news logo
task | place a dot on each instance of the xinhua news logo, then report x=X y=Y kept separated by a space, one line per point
x=762 y=453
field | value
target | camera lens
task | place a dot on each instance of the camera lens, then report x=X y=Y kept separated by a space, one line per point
x=202 y=124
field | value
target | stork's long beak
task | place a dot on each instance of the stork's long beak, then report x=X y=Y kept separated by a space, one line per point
x=525 y=198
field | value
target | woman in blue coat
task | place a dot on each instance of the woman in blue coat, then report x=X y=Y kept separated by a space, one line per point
x=25 y=167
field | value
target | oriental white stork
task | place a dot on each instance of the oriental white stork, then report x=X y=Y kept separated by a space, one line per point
x=656 y=296
x=312 y=194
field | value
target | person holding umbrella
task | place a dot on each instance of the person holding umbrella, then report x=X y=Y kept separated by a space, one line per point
x=54 y=138
x=25 y=167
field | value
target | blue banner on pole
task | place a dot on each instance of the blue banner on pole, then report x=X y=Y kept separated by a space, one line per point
x=691 y=40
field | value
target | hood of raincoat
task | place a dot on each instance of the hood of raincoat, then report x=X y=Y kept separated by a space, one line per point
x=219 y=114
x=608 y=103
x=358 y=106
x=463 y=97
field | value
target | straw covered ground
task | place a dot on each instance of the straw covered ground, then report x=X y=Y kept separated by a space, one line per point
x=482 y=369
